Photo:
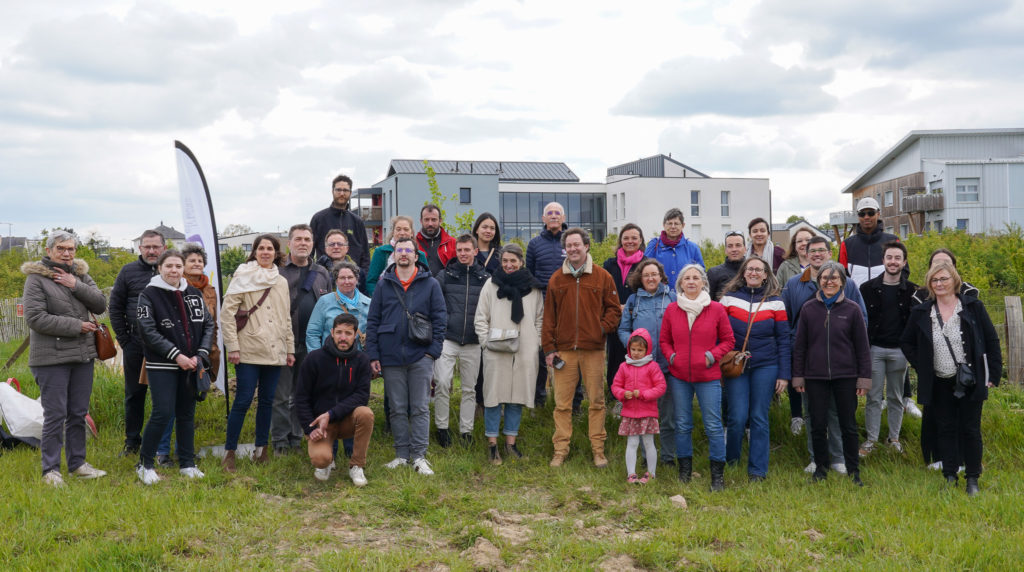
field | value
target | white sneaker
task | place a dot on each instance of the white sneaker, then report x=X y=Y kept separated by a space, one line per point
x=839 y=468
x=896 y=446
x=936 y=466
x=911 y=408
x=87 y=471
x=324 y=473
x=54 y=479
x=192 y=473
x=796 y=425
x=357 y=476
x=147 y=476
x=422 y=466
x=396 y=462
x=811 y=467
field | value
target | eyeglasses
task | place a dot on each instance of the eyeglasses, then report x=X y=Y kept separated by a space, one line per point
x=753 y=270
x=65 y=249
x=867 y=212
x=404 y=250
x=817 y=250
x=830 y=278
x=336 y=244
x=553 y=213
x=942 y=280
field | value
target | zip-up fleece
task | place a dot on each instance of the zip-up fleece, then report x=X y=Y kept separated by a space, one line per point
x=580 y=312
x=461 y=287
x=685 y=346
x=645 y=378
x=831 y=344
x=331 y=383
x=173 y=321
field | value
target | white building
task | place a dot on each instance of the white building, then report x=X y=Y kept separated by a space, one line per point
x=244 y=241
x=967 y=179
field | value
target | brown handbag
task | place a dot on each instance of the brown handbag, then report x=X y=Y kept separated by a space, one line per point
x=735 y=362
x=242 y=316
x=104 y=341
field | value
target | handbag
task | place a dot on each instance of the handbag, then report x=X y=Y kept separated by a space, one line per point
x=735 y=362
x=418 y=327
x=242 y=316
x=504 y=341
x=104 y=341
x=201 y=379
x=964 y=377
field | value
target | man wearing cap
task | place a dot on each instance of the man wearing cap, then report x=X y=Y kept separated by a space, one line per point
x=861 y=254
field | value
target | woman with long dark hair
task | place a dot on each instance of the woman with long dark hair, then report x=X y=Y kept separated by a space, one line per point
x=488 y=239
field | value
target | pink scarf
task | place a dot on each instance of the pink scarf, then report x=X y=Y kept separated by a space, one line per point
x=626 y=262
x=670 y=242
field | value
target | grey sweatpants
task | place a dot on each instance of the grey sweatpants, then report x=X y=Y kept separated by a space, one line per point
x=408 y=390
x=64 y=394
x=887 y=368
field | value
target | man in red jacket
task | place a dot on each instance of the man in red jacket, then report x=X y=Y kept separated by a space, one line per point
x=432 y=239
x=581 y=307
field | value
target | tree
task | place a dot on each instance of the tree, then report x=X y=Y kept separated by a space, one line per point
x=464 y=221
x=793 y=218
x=230 y=260
x=236 y=230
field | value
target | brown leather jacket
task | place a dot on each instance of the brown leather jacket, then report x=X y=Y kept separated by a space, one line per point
x=580 y=312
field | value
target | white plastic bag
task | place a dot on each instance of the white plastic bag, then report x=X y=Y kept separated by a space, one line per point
x=22 y=414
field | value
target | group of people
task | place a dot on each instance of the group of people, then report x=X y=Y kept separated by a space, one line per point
x=307 y=328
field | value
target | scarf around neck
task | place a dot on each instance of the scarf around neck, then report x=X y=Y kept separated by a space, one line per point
x=332 y=348
x=693 y=308
x=54 y=264
x=513 y=287
x=640 y=362
x=830 y=301
x=349 y=302
x=671 y=243
x=626 y=262
x=251 y=277
x=198 y=283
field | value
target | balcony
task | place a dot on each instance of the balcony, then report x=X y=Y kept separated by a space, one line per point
x=923 y=203
x=371 y=215
x=842 y=217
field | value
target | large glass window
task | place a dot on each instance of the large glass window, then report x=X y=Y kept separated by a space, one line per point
x=520 y=213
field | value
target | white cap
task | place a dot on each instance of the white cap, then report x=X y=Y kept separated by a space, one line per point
x=867 y=203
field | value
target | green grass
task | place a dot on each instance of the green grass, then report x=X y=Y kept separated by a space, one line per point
x=279 y=517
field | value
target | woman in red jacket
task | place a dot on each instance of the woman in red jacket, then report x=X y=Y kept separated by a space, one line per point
x=695 y=334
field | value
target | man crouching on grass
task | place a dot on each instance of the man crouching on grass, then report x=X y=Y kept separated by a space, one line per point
x=331 y=398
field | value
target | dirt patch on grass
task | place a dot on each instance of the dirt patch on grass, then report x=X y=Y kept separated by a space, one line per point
x=620 y=563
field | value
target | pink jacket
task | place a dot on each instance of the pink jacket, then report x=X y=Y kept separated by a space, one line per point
x=646 y=378
x=711 y=332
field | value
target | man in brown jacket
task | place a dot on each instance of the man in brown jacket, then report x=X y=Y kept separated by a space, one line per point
x=581 y=308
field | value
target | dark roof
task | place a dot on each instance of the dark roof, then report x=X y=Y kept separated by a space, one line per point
x=169 y=232
x=653 y=166
x=520 y=171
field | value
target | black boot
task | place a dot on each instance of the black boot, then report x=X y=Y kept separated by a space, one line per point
x=972 y=486
x=493 y=455
x=951 y=480
x=444 y=438
x=855 y=477
x=717 y=476
x=685 y=468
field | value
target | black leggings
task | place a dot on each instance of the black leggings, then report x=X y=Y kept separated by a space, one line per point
x=819 y=393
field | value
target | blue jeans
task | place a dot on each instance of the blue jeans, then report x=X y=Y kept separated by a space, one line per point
x=750 y=397
x=249 y=377
x=492 y=418
x=173 y=398
x=709 y=397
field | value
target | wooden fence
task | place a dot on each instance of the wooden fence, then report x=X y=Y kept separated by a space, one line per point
x=13 y=327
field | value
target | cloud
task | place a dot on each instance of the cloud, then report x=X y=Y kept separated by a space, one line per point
x=392 y=87
x=742 y=86
x=738 y=149
x=470 y=129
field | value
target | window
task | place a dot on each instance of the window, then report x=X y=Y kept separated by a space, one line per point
x=935 y=187
x=615 y=206
x=888 y=198
x=694 y=203
x=465 y=196
x=961 y=224
x=904 y=230
x=622 y=201
x=695 y=234
x=725 y=203
x=938 y=226
x=889 y=229
x=247 y=247
x=967 y=190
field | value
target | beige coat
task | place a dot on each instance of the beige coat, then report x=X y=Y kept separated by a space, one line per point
x=267 y=339
x=509 y=378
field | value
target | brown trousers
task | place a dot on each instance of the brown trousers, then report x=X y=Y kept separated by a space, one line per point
x=591 y=364
x=357 y=426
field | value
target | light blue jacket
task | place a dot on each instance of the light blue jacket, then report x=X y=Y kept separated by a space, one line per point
x=322 y=318
x=645 y=310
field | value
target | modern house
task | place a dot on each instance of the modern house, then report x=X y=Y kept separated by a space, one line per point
x=967 y=179
x=516 y=192
x=170 y=234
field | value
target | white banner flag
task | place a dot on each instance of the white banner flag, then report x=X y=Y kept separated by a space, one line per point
x=200 y=226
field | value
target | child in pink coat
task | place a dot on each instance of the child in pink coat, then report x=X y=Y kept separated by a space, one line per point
x=638 y=384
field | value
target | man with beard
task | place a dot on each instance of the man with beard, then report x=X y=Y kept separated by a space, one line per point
x=432 y=239
x=339 y=215
x=124 y=300
x=735 y=253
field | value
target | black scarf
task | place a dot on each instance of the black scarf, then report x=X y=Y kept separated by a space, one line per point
x=50 y=263
x=513 y=287
x=332 y=348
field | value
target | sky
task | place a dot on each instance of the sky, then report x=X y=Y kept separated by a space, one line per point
x=276 y=98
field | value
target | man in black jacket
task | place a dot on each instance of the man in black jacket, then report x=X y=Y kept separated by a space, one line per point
x=461 y=280
x=339 y=215
x=331 y=400
x=888 y=298
x=307 y=281
x=735 y=252
x=124 y=300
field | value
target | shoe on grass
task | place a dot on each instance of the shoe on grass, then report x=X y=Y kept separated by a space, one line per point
x=444 y=438
x=54 y=479
x=87 y=471
x=600 y=461
x=324 y=473
x=867 y=448
x=911 y=408
x=422 y=467
x=192 y=473
x=357 y=476
x=896 y=446
x=839 y=468
x=396 y=462
x=646 y=478
x=147 y=476
x=164 y=461
x=557 y=460
x=632 y=479
x=936 y=466
x=811 y=467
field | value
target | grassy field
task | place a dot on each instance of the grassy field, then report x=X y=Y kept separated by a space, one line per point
x=522 y=515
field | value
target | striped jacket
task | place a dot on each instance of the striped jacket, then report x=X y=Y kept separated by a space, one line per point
x=769 y=331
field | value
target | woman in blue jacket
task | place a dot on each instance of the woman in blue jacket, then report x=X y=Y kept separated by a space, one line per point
x=346 y=299
x=671 y=248
x=644 y=309
x=752 y=301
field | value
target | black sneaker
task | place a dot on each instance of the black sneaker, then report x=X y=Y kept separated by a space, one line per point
x=467 y=439
x=129 y=451
x=164 y=461
x=444 y=438
x=512 y=451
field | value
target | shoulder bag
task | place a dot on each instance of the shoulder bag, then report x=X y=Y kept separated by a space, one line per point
x=503 y=341
x=104 y=342
x=965 y=379
x=418 y=325
x=242 y=316
x=735 y=362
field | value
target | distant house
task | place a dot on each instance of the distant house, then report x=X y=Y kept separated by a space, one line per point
x=9 y=242
x=170 y=233
x=967 y=179
x=783 y=233
x=244 y=241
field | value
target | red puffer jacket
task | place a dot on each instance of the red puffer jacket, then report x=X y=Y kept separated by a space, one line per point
x=711 y=332
x=645 y=378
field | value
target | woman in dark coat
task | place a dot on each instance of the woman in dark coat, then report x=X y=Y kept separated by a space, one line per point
x=628 y=254
x=946 y=331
